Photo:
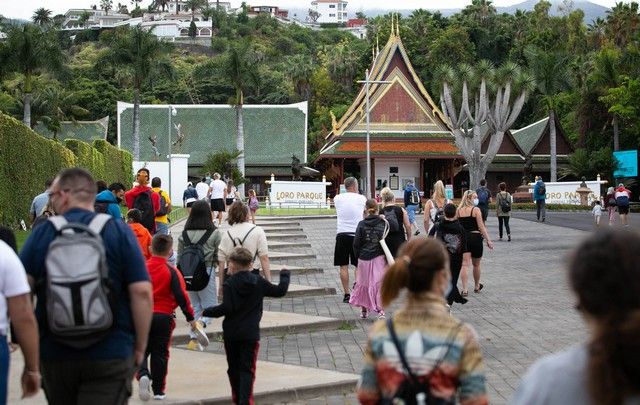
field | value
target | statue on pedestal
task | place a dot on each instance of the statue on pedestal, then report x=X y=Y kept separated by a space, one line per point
x=295 y=168
x=528 y=169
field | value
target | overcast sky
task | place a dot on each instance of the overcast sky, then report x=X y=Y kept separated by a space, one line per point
x=24 y=8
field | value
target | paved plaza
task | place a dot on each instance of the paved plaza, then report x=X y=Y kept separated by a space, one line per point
x=525 y=311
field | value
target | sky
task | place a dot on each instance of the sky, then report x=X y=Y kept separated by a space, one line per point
x=24 y=8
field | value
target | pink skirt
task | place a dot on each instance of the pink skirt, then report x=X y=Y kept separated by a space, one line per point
x=366 y=292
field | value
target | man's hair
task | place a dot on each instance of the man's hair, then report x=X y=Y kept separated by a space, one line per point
x=450 y=210
x=48 y=183
x=502 y=186
x=116 y=187
x=156 y=182
x=350 y=182
x=144 y=169
x=216 y=176
x=238 y=213
x=161 y=244
x=79 y=183
x=135 y=215
x=241 y=256
x=101 y=185
x=483 y=182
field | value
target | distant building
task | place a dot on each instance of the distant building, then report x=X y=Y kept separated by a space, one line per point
x=273 y=11
x=356 y=22
x=97 y=19
x=331 y=11
x=184 y=9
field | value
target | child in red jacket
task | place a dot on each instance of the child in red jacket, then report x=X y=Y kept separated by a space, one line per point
x=169 y=292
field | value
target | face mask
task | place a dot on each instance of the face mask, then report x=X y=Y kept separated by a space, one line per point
x=475 y=201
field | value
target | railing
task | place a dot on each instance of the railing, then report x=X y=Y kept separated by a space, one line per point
x=177 y=213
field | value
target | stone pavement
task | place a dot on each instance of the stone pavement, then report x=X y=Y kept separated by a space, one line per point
x=524 y=311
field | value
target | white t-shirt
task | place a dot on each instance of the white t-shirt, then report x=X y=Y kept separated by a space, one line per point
x=255 y=242
x=202 y=189
x=350 y=211
x=13 y=281
x=217 y=189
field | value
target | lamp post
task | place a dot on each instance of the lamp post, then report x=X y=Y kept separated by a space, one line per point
x=172 y=113
x=367 y=81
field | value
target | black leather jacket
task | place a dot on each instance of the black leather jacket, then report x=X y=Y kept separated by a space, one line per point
x=366 y=243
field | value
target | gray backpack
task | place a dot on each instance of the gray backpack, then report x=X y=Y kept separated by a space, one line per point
x=78 y=292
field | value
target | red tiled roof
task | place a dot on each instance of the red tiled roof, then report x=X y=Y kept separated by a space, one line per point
x=399 y=147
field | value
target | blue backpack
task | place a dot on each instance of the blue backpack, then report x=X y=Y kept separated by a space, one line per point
x=483 y=196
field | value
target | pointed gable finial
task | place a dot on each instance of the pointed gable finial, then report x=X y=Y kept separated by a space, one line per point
x=392 y=30
x=377 y=45
x=398 y=25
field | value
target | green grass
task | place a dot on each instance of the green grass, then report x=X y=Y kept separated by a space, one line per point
x=21 y=236
x=346 y=326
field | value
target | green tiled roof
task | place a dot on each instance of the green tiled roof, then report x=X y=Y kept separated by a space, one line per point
x=271 y=133
x=528 y=136
x=87 y=131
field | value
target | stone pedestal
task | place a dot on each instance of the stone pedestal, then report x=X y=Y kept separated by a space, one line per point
x=523 y=194
x=584 y=192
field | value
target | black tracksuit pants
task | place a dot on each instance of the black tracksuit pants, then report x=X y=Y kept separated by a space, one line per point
x=455 y=265
x=241 y=359
x=162 y=326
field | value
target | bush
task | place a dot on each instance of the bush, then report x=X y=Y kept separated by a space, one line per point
x=87 y=157
x=118 y=163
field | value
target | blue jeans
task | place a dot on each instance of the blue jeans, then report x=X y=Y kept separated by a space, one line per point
x=207 y=297
x=411 y=211
x=162 y=228
x=4 y=368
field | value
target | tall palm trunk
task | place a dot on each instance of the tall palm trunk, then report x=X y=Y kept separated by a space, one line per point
x=240 y=144
x=26 y=119
x=177 y=7
x=136 y=125
x=553 y=151
x=616 y=133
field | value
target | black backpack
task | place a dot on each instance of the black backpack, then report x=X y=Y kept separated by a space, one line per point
x=100 y=207
x=413 y=391
x=192 y=264
x=542 y=190
x=144 y=203
x=391 y=216
x=414 y=199
x=164 y=207
x=505 y=204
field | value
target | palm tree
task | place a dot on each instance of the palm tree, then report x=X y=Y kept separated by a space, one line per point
x=300 y=68
x=162 y=3
x=59 y=105
x=195 y=5
x=31 y=51
x=144 y=57
x=84 y=18
x=606 y=75
x=106 y=5
x=42 y=17
x=238 y=70
x=549 y=68
x=622 y=23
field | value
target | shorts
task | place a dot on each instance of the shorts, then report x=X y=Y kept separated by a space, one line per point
x=229 y=201
x=623 y=209
x=474 y=244
x=189 y=204
x=217 y=204
x=343 y=253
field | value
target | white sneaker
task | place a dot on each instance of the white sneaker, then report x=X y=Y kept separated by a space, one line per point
x=159 y=397
x=143 y=388
x=201 y=335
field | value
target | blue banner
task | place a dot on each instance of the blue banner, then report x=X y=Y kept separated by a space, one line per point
x=627 y=163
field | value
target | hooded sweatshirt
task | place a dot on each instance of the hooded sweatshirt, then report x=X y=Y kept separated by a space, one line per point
x=241 y=304
x=108 y=198
x=130 y=197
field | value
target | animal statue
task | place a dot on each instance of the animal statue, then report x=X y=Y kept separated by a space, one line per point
x=154 y=145
x=295 y=168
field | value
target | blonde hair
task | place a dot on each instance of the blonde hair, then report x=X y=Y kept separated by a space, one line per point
x=467 y=199
x=438 y=191
x=387 y=196
x=419 y=260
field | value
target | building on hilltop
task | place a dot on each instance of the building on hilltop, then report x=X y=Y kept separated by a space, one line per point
x=331 y=11
x=97 y=19
x=410 y=138
x=183 y=7
x=273 y=11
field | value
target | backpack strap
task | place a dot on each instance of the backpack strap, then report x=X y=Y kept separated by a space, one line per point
x=205 y=237
x=243 y=239
x=58 y=222
x=98 y=222
x=185 y=238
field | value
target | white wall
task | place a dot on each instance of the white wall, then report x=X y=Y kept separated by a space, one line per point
x=179 y=175
x=325 y=11
x=407 y=169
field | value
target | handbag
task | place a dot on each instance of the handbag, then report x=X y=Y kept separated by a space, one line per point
x=383 y=244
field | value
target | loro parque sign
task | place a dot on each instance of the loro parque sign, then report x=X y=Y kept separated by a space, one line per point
x=303 y=194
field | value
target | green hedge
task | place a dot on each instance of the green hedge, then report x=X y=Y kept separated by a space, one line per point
x=28 y=159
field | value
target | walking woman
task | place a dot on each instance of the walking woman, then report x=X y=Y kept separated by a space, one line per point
x=230 y=194
x=503 y=210
x=433 y=208
x=198 y=225
x=371 y=262
x=605 y=278
x=611 y=205
x=392 y=212
x=471 y=219
x=423 y=329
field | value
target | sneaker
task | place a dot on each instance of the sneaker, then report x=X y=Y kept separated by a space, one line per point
x=143 y=388
x=201 y=336
x=194 y=345
x=159 y=397
x=509 y=238
x=381 y=315
x=346 y=298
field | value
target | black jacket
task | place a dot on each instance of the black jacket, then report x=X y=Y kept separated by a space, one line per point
x=366 y=243
x=241 y=304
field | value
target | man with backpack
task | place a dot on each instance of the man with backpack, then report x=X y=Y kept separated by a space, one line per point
x=484 y=199
x=83 y=256
x=411 y=204
x=108 y=201
x=162 y=215
x=143 y=198
x=623 y=197
x=540 y=197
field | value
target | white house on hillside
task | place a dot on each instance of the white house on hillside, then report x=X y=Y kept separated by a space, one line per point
x=183 y=9
x=97 y=19
x=331 y=11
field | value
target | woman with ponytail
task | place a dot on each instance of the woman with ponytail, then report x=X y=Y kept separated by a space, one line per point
x=440 y=351
x=604 y=273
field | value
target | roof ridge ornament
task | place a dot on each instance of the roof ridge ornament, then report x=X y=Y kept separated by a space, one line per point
x=398 y=25
x=392 y=33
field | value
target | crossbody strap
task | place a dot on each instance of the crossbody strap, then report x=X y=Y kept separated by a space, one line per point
x=243 y=239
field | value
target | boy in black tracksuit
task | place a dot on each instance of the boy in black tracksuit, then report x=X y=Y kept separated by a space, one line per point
x=242 y=296
x=452 y=234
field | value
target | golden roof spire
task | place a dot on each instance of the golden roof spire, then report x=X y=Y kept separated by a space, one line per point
x=392 y=30
x=398 y=25
x=377 y=46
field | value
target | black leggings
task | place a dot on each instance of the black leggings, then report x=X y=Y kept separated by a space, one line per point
x=504 y=220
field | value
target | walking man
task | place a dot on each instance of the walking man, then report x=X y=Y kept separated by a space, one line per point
x=218 y=194
x=162 y=215
x=144 y=199
x=108 y=201
x=202 y=189
x=623 y=197
x=39 y=202
x=350 y=211
x=484 y=199
x=540 y=196
x=102 y=372
x=411 y=203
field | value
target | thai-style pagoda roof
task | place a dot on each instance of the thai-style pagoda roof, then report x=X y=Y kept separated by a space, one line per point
x=404 y=120
x=534 y=138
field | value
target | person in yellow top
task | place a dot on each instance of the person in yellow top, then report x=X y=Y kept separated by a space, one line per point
x=162 y=218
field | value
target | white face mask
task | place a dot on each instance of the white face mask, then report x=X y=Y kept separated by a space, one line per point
x=475 y=201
